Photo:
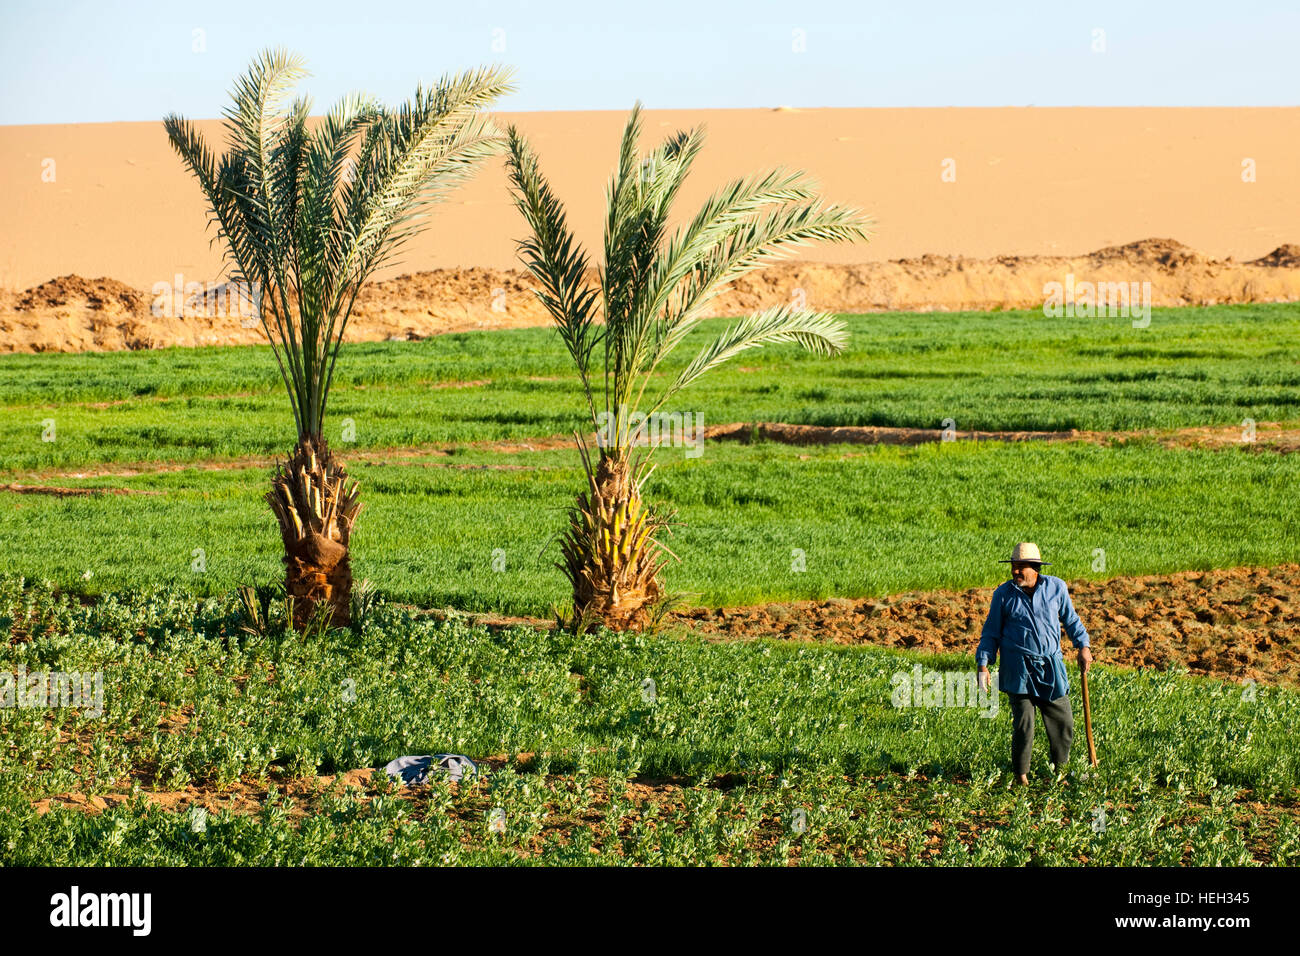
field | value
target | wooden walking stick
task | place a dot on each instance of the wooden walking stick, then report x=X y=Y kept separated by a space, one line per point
x=1087 y=718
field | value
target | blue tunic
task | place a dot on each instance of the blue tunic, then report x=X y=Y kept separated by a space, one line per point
x=1027 y=631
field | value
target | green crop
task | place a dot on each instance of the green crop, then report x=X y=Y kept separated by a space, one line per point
x=474 y=530
x=750 y=753
x=1019 y=370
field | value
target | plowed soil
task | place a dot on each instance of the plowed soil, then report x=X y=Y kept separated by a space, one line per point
x=1235 y=624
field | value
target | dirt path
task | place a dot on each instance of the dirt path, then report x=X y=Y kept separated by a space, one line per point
x=226 y=396
x=1268 y=436
x=424 y=455
x=73 y=492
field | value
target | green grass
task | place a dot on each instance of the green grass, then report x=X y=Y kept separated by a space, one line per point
x=749 y=732
x=883 y=521
x=1014 y=370
x=739 y=736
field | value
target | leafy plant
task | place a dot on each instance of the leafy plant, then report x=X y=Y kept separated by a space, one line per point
x=320 y=620
x=365 y=598
x=254 y=609
x=739 y=734
x=306 y=216
x=652 y=291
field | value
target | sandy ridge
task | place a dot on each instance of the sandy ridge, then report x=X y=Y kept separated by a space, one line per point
x=74 y=314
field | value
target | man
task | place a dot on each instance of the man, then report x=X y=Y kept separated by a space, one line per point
x=1024 y=624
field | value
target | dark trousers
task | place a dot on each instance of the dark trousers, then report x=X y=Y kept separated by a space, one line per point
x=1058 y=720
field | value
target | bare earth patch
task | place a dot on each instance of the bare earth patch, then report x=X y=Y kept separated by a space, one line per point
x=73 y=492
x=1269 y=436
x=746 y=432
x=1232 y=624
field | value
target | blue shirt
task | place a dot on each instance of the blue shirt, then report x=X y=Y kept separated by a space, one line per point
x=1026 y=629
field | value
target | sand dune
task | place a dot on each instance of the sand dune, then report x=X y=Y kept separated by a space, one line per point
x=1029 y=181
x=1035 y=191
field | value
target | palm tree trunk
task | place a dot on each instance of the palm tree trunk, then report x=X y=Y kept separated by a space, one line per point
x=611 y=557
x=316 y=507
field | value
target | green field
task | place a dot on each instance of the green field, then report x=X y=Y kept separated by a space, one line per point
x=881 y=520
x=739 y=735
x=734 y=740
x=985 y=371
x=886 y=520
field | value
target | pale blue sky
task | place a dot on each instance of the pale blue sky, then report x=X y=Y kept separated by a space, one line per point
x=113 y=60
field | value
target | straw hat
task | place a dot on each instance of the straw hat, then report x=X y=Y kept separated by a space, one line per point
x=1025 y=551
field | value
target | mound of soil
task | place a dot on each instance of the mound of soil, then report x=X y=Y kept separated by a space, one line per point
x=1169 y=253
x=1234 y=624
x=99 y=295
x=72 y=314
x=1283 y=257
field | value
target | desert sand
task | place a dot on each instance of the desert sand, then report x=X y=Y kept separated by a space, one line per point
x=1037 y=193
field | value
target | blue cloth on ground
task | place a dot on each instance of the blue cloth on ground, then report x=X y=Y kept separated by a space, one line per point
x=416 y=770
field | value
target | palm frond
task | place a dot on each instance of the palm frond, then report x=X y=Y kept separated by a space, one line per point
x=654 y=288
x=660 y=177
x=720 y=214
x=256 y=124
x=639 y=202
x=554 y=258
x=432 y=143
x=319 y=211
x=747 y=245
x=617 y=275
x=306 y=236
x=819 y=332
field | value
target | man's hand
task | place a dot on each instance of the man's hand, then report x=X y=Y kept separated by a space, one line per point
x=982 y=678
x=1085 y=659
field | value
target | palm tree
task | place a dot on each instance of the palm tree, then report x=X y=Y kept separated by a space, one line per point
x=306 y=216
x=651 y=293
